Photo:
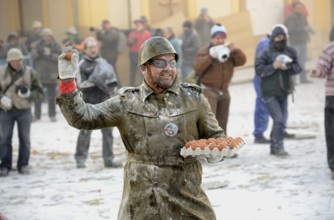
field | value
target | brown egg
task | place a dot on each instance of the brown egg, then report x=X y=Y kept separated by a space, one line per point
x=194 y=146
x=208 y=141
x=202 y=140
x=188 y=144
x=202 y=145
x=212 y=146
x=217 y=141
x=232 y=144
x=222 y=145
x=229 y=140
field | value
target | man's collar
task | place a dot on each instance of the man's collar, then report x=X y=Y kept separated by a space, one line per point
x=146 y=91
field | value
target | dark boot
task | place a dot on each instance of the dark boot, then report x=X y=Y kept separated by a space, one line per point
x=262 y=140
x=289 y=136
x=24 y=170
x=80 y=164
x=4 y=171
x=112 y=164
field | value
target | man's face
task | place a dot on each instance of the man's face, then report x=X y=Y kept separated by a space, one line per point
x=47 y=38
x=91 y=49
x=299 y=8
x=163 y=76
x=279 y=38
x=37 y=30
x=13 y=41
x=186 y=29
x=218 y=40
x=139 y=25
x=106 y=26
x=16 y=64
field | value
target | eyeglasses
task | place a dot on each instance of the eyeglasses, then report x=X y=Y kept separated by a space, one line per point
x=160 y=63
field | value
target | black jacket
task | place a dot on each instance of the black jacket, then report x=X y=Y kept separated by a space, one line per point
x=276 y=82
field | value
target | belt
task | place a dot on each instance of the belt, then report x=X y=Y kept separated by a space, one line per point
x=217 y=91
x=161 y=160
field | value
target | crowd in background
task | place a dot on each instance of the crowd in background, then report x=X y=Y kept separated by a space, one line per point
x=197 y=52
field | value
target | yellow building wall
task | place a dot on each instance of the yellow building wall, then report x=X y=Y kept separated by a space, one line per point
x=90 y=13
x=321 y=20
x=9 y=21
x=13 y=19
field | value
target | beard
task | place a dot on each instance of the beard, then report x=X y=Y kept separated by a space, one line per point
x=166 y=79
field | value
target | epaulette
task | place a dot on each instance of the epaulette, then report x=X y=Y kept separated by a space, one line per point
x=193 y=90
x=192 y=86
x=122 y=91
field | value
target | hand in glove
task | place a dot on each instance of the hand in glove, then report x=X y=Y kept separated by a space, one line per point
x=213 y=52
x=68 y=69
x=6 y=102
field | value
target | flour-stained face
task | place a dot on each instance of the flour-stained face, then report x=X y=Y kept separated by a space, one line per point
x=163 y=69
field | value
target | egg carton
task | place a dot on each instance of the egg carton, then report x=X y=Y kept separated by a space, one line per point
x=226 y=152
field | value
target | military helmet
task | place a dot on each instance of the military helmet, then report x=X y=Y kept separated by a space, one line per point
x=153 y=47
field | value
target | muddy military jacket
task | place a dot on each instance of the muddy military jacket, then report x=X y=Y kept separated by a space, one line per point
x=158 y=182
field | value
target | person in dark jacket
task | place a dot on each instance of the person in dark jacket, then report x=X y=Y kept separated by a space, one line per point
x=13 y=41
x=275 y=66
x=190 y=45
x=45 y=55
x=261 y=114
x=34 y=35
x=203 y=25
x=73 y=40
x=109 y=38
x=96 y=81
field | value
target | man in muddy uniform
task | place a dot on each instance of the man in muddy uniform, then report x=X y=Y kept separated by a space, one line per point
x=155 y=121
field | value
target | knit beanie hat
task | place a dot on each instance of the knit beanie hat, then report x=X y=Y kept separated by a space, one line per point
x=218 y=29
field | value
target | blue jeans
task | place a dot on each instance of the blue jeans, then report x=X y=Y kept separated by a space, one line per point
x=83 y=143
x=261 y=114
x=278 y=107
x=7 y=120
x=51 y=92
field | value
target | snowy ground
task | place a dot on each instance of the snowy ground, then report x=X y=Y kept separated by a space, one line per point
x=255 y=186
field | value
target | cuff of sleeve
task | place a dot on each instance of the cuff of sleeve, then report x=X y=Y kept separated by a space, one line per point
x=67 y=87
